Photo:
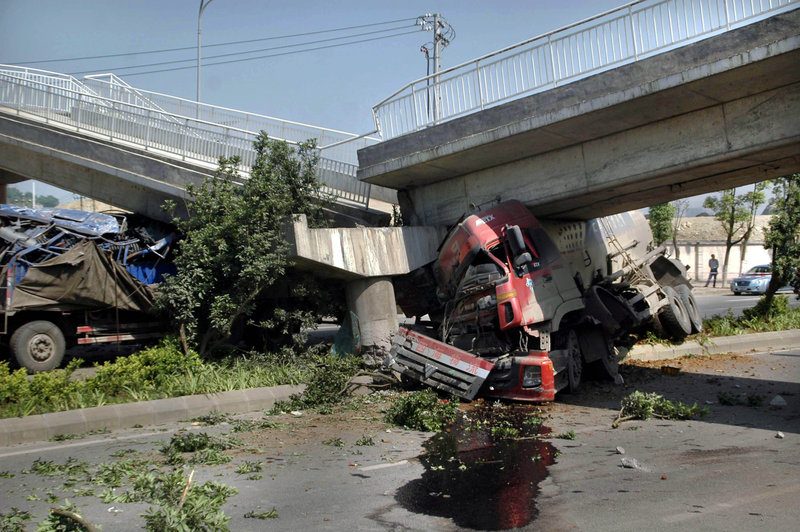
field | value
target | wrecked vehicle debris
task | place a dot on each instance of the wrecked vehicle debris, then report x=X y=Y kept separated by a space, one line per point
x=72 y=277
x=518 y=306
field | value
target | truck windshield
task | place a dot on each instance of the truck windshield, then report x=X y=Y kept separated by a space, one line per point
x=483 y=270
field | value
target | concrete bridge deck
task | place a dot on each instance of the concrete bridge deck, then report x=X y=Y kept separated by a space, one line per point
x=715 y=114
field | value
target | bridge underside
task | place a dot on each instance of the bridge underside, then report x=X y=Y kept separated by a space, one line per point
x=711 y=115
x=127 y=177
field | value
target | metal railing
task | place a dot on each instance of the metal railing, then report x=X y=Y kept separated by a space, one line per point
x=622 y=35
x=107 y=106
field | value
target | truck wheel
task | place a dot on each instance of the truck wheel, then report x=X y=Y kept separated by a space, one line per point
x=674 y=317
x=574 y=362
x=38 y=346
x=691 y=306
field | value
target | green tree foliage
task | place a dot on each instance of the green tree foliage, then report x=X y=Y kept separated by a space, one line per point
x=47 y=201
x=17 y=197
x=736 y=213
x=783 y=236
x=661 y=222
x=234 y=250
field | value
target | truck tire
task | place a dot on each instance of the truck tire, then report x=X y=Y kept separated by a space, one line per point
x=594 y=341
x=691 y=306
x=574 y=362
x=674 y=316
x=38 y=346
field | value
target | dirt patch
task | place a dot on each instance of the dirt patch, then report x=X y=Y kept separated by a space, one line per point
x=749 y=381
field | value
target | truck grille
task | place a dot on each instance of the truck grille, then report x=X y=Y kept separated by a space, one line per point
x=437 y=364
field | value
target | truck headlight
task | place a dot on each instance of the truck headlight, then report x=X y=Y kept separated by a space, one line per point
x=532 y=376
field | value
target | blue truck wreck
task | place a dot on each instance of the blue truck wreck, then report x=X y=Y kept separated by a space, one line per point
x=72 y=277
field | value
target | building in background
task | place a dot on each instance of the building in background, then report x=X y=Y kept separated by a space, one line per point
x=700 y=237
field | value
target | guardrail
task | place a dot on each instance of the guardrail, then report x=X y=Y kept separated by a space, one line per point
x=622 y=35
x=172 y=126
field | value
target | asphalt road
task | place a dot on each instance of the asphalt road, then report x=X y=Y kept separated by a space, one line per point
x=717 y=302
x=728 y=471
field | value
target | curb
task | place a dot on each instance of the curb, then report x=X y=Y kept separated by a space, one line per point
x=42 y=427
x=767 y=341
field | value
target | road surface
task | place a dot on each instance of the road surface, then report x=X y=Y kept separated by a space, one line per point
x=350 y=471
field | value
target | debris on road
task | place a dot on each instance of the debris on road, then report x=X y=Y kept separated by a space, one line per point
x=633 y=463
x=777 y=401
x=643 y=406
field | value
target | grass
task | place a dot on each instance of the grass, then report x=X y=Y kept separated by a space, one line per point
x=156 y=373
x=778 y=318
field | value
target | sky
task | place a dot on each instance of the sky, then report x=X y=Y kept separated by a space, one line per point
x=334 y=87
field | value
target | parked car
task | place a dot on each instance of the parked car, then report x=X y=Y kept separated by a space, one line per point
x=754 y=281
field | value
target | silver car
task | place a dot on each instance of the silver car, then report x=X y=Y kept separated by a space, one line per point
x=754 y=281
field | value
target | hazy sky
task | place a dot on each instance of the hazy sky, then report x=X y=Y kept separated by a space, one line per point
x=335 y=87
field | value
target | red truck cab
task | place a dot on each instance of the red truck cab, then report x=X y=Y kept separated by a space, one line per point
x=495 y=276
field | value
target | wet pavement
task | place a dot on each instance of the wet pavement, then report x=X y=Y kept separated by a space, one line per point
x=484 y=471
x=499 y=467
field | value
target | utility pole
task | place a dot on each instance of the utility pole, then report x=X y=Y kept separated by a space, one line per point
x=443 y=35
x=203 y=5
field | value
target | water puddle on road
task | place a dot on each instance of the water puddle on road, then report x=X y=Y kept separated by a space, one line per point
x=484 y=471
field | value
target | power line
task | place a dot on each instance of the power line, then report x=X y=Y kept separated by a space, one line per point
x=266 y=56
x=177 y=61
x=231 y=43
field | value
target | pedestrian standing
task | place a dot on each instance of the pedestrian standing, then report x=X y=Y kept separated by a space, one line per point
x=713 y=266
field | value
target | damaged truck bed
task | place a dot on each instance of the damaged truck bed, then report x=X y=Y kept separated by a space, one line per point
x=73 y=277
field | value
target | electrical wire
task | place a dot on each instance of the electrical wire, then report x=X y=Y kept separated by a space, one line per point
x=231 y=43
x=244 y=52
x=264 y=56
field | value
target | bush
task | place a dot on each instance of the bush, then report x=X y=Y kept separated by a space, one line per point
x=777 y=317
x=157 y=372
x=146 y=370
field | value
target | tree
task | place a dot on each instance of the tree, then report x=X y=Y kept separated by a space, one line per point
x=783 y=236
x=661 y=222
x=734 y=212
x=753 y=200
x=47 y=201
x=234 y=248
x=680 y=206
x=17 y=197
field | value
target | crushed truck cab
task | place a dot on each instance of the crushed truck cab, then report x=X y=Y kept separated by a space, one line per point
x=539 y=300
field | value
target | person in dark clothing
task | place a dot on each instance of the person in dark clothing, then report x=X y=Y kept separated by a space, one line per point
x=713 y=266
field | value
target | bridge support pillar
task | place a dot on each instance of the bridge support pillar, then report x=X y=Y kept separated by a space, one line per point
x=372 y=300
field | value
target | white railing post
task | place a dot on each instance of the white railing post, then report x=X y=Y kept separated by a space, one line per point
x=19 y=98
x=113 y=120
x=184 y=138
x=552 y=59
x=48 y=104
x=727 y=15
x=633 y=33
x=79 y=117
x=227 y=141
x=148 y=129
